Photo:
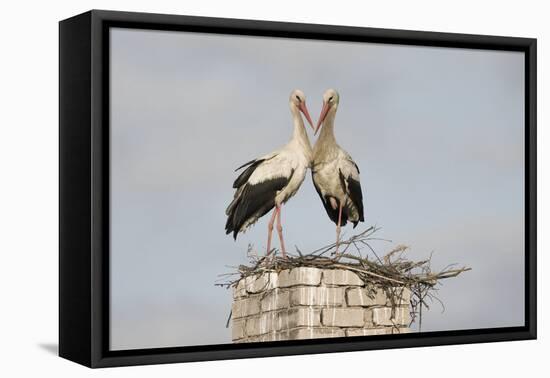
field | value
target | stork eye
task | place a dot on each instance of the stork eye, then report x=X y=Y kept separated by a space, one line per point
x=298 y=98
x=330 y=98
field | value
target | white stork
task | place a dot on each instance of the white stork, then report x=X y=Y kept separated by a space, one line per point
x=335 y=174
x=272 y=179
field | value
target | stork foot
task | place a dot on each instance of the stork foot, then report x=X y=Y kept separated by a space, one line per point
x=336 y=253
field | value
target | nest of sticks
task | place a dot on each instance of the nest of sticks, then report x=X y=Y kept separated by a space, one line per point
x=391 y=272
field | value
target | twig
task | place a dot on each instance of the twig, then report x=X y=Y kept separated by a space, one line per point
x=385 y=272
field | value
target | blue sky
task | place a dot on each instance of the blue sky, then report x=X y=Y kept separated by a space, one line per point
x=437 y=133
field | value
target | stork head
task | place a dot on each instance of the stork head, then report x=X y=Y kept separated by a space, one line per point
x=298 y=100
x=331 y=99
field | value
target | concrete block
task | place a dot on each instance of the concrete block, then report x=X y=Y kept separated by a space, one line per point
x=315 y=333
x=262 y=282
x=341 y=277
x=275 y=336
x=401 y=295
x=383 y=316
x=358 y=296
x=301 y=317
x=239 y=291
x=274 y=321
x=368 y=318
x=343 y=317
x=398 y=330
x=247 y=340
x=368 y=331
x=258 y=325
x=276 y=300
x=245 y=307
x=300 y=276
x=253 y=339
x=316 y=296
x=238 y=329
x=402 y=316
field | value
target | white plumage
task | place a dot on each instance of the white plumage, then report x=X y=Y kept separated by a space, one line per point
x=290 y=162
x=335 y=174
x=271 y=180
x=326 y=177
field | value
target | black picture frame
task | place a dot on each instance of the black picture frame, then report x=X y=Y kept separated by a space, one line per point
x=84 y=187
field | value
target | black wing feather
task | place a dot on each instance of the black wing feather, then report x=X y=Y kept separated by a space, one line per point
x=356 y=196
x=254 y=202
x=245 y=175
x=353 y=190
x=332 y=213
x=355 y=164
x=247 y=163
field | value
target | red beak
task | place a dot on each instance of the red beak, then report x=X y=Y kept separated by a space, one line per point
x=324 y=111
x=303 y=109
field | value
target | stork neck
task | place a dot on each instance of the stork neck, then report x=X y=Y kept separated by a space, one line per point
x=327 y=130
x=299 y=134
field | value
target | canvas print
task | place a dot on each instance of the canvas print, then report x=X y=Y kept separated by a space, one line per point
x=275 y=189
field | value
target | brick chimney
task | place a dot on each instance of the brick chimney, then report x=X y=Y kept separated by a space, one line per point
x=305 y=303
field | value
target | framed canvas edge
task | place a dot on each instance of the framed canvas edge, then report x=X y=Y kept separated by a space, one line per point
x=304 y=347
x=75 y=273
x=96 y=253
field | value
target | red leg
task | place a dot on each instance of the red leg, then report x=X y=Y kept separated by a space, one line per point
x=338 y=229
x=270 y=230
x=280 y=232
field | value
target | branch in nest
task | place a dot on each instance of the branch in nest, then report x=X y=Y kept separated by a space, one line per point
x=390 y=271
